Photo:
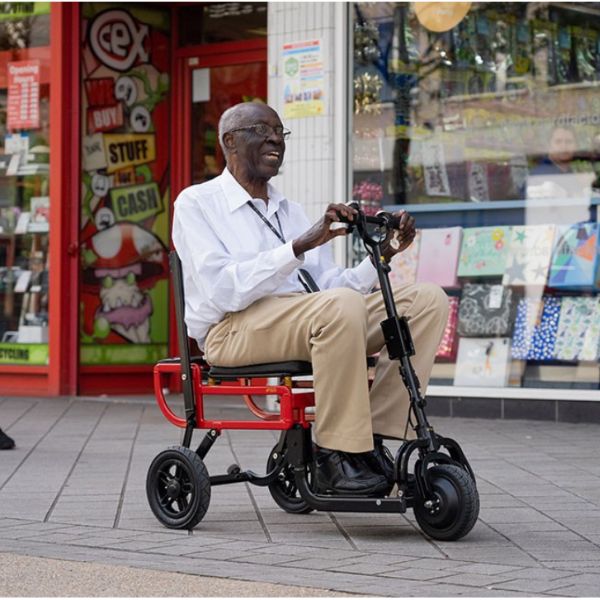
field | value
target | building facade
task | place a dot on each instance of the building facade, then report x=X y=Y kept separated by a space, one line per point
x=480 y=119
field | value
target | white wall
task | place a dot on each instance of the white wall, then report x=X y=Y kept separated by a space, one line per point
x=315 y=168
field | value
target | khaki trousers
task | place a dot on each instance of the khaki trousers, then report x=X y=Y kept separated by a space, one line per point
x=335 y=330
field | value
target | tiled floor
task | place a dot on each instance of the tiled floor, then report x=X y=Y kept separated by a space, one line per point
x=75 y=488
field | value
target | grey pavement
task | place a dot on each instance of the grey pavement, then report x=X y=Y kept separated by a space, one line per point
x=74 y=489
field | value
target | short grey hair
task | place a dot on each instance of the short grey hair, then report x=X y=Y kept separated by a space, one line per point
x=233 y=118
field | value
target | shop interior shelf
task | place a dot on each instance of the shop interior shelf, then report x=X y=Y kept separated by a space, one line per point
x=501 y=212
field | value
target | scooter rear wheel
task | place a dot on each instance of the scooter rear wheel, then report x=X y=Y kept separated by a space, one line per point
x=455 y=506
x=284 y=490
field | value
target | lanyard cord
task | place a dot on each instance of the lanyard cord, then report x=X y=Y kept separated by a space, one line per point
x=308 y=283
x=268 y=223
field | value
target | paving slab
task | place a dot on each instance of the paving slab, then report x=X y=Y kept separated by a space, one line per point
x=81 y=465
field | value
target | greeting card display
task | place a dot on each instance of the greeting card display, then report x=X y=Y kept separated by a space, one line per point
x=575 y=256
x=536 y=326
x=529 y=255
x=448 y=345
x=404 y=264
x=486 y=310
x=483 y=362
x=590 y=349
x=483 y=251
x=577 y=317
x=438 y=256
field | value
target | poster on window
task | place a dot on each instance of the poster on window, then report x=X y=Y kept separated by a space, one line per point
x=125 y=185
x=23 y=102
x=303 y=79
x=434 y=167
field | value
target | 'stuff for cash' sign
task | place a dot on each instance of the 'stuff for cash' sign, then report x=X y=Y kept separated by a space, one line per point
x=128 y=149
x=136 y=202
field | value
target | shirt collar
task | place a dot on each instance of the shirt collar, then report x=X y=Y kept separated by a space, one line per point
x=237 y=196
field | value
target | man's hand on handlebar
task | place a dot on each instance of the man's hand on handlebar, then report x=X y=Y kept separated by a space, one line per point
x=321 y=232
x=400 y=238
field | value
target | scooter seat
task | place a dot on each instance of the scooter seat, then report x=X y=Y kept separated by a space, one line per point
x=278 y=369
x=196 y=360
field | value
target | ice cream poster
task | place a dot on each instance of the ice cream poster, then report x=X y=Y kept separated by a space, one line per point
x=125 y=185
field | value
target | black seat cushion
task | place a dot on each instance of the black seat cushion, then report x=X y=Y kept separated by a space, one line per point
x=278 y=369
x=197 y=360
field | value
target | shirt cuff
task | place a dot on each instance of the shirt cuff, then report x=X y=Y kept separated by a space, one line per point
x=366 y=273
x=285 y=259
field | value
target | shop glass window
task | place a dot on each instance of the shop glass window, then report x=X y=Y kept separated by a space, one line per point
x=24 y=182
x=222 y=22
x=125 y=184
x=483 y=120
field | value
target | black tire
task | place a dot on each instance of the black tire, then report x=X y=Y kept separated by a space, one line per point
x=178 y=488
x=457 y=506
x=284 y=490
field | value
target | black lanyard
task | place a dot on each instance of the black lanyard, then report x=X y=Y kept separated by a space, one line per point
x=304 y=276
x=268 y=223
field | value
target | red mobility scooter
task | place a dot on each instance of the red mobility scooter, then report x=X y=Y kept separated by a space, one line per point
x=441 y=490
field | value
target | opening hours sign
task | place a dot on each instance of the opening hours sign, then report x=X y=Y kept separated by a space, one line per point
x=23 y=110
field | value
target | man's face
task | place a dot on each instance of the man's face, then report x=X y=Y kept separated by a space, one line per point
x=259 y=155
x=562 y=145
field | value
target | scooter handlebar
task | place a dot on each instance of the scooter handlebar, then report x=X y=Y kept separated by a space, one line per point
x=381 y=219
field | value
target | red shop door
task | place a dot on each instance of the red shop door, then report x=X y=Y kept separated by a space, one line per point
x=210 y=79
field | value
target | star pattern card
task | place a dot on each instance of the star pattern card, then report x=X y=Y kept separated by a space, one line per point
x=529 y=256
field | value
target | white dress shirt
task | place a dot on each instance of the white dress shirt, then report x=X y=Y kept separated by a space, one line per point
x=231 y=258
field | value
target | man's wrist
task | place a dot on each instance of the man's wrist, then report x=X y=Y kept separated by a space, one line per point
x=299 y=247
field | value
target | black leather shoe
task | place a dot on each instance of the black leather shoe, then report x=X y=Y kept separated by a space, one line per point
x=6 y=443
x=382 y=457
x=346 y=474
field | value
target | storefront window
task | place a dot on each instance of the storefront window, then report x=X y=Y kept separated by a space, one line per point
x=24 y=181
x=483 y=120
x=125 y=184
x=222 y=22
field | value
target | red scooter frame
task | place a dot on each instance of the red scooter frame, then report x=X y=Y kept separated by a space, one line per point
x=442 y=490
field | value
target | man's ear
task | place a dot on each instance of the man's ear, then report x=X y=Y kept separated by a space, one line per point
x=229 y=142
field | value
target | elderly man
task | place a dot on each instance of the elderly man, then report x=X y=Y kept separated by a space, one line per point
x=242 y=243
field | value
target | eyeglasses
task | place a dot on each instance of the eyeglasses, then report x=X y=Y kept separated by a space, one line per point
x=264 y=130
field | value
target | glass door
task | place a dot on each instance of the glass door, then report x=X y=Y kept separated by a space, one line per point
x=213 y=90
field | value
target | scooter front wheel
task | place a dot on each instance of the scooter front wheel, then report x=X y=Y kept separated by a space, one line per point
x=178 y=488
x=453 y=510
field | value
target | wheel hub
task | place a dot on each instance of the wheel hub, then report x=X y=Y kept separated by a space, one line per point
x=173 y=489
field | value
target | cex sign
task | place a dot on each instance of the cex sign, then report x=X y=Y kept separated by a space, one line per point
x=118 y=40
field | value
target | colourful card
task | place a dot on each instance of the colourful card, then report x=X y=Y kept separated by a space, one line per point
x=577 y=316
x=483 y=251
x=536 y=326
x=529 y=255
x=590 y=349
x=575 y=257
x=404 y=264
x=438 y=256
x=483 y=362
x=486 y=310
x=448 y=345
